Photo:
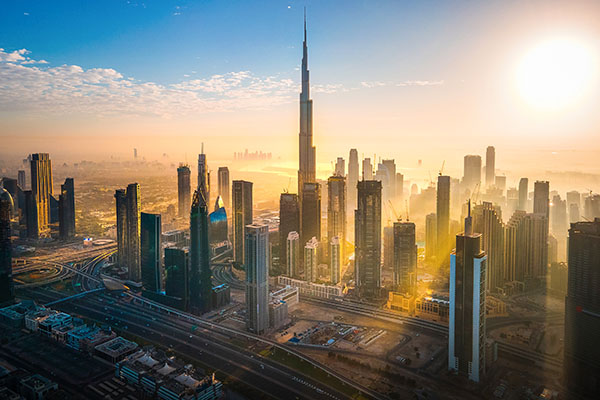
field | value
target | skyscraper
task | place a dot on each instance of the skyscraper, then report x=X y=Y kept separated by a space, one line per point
x=405 y=258
x=41 y=187
x=367 y=232
x=443 y=219
x=21 y=179
x=7 y=291
x=242 y=216
x=292 y=245
x=523 y=194
x=66 y=209
x=31 y=217
x=399 y=187
x=176 y=274
x=121 y=212
x=257 y=277
x=133 y=214
x=151 y=257
x=559 y=225
x=472 y=171
x=307 y=160
x=310 y=214
x=217 y=228
x=466 y=330
x=203 y=176
x=336 y=210
x=340 y=167
x=430 y=236
x=289 y=221
x=582 y=310
x=184 y=195
x=200 y=274
x=541 y=198
x=223 y=177
x=352 y=178
x=311 y=259
x=367 y=170
x=487 y=220
x=390 y=168
x=591 y=207
x=335 y=260
x=490 y=166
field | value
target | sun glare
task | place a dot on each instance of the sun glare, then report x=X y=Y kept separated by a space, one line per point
x=556 y=74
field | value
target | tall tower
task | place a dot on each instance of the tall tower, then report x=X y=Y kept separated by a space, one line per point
x=487 y=220
x=242 y=216
x=307 y=165
x=541 y=198
x=466 y=330
x=183 y=190
x=443 y=219
x=66 y=209
x=367 y=232
x=336 y=210
x=582 y=310
x=472 y=171
x=200 y=274
x=203 y=176
x=523 y=194
x=151 y=257
x=133 y=215
x=310 y=212
x=293 y=254
x=7 y=291
x=223 y=178
x=289 y=221
x=257 y=277
x=405 y=258
x=490 y=166
x=121 y=212
x=352 y=178
x=41 y=187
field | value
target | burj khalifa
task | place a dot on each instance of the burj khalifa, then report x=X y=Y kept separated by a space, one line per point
x=306 y=170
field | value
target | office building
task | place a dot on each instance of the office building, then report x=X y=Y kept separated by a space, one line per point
x=405 y=258
x=151 y=252
x=353 y=173
x=367 y=232
x=224 y=191
x=41 y=188
x=340 y=167
x=591 y=207
x=133 y=215
x=217 y=228
x=541 y=198
x=311 y=260
x=184 y=194
x=559 y=219
x=487 y=221
x=574 y=215
x=472 y=171
x=257 y=278
x=242 y=216
x=199 y=272
x=523 y=194
x=293 y=254
x=443 y=219
x=490 y=166
x=307 y=152
x=399 y=187
x=7 y=291
x=336 y=210
x=66 y=209
x=389 y=166
x=121 y=212
x=582 y=310
x=289 y=221
x=335 y=260
x=466 y=330
x=176 y=274
x=430 y=236
x=22 y=179
x=203 y=176
x=310 y=213
x=367 y=170
x=388 y=247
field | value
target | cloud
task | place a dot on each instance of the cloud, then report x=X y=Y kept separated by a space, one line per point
x=19 y=56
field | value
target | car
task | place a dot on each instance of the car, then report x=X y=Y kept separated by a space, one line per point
x=262 y=366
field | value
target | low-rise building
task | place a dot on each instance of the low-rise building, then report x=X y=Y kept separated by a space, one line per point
x=288 y=294
x=86 y=337
x=433 y=307
x=278 y=314
x=220 y=296
x=36 y=387
x=401 y=302
x=311 y=289
x=116 y=349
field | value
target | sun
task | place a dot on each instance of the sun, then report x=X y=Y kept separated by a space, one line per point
x=556 y=74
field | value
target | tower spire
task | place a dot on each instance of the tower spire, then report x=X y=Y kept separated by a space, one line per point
x=304 y=24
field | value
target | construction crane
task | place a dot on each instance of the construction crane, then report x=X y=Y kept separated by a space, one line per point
x=476 y=191
x=442 y=169
x=398 y=217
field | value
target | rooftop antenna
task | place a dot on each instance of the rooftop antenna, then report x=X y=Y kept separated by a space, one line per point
x=202 y=148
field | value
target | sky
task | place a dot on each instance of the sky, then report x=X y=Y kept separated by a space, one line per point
x=431 y=79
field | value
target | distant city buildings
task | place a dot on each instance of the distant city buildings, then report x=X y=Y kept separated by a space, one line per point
x=184 y=195
x=582 y=310
x=340 y=167
x=367 y=231
x=490 y=166
x=242 y=216
x=472 y=171
x=257 y=278
x=251 y=156
x=467 y=327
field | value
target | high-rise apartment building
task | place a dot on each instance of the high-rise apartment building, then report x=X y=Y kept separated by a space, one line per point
x=591 y=207
x=353 y=173
x=200 y=273
x=66 y=209
x=151 y=252
x=292 y=245
x=311 y=259
x=559 y=228
x=177 y=274
x=257 y=278
x=335 y=260
x=541 y=198
x=41 y=188
x=22 y=179
x=367 y=232
x=467 y=328
x=490 y=166
x=582 y=310
x=242 y=216
x=7 y=291
x=472 y=171
x=340 y=167
x=443 y=219
x=203 y=176
x=310 y=213
x=523 y=194
x=367 y=170
x=487 y=220
x=430 y=236
x=133 y=215
x=121 y=212
x=336 y=210
x=405 y=258
x=224 y=191
x=184 y=195
x=289 y=221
